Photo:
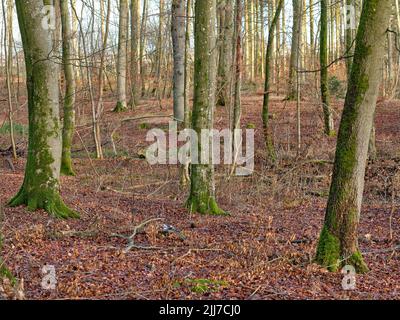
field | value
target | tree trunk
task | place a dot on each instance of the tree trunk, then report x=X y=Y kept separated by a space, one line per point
x=143 y=30
x=269 y=67
x=338 y=243
x=40 y=189
x=69 y=99
x=202 y=192
x=238 y=58
x=225 y=58
x=328 y=120
x=8 y=66
x=178 y=40
x=294 y=56
x=135 y=51
x=122 y=46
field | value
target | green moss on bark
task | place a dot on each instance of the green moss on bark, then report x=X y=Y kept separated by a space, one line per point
x=48 y=200
x=120 y=107
x=204 y=205
x=40 y=189
x=328 y=252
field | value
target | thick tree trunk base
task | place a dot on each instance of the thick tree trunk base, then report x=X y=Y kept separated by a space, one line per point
x=120 y=107
x=49 y=201
x=204 y=205
x=329 y=255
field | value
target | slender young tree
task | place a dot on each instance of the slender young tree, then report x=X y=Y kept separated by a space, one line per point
x=178 y=32
x=267 y=88
x=121 y=64
x=338 y=243
x=40 y=189
x=225 y=56
x=328 y=119
x=294 y=55
x=8 y=66
x=202 y=191
x=135 y=51
x=143 y=30
x=238 y=58
x=69 y=99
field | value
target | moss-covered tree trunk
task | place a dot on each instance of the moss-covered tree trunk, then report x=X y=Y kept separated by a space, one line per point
x=202 y=191
x=178 y=32
x=267 y=88
x=328 y=119
x=338 y=243
x=294 y=55
x=121 y=63
x=40 y=189
x=69 y=100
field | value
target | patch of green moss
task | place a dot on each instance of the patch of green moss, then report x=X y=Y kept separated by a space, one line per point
x=204 y=205
x=203 y=286
x=357 y=261
x=328 y=251
x=120 y=107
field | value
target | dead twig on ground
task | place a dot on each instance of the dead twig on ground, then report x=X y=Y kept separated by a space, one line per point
x=137 y=230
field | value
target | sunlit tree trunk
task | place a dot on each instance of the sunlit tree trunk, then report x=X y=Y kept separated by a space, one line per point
x=40 y=189
x=338 y=243
x=122 y=55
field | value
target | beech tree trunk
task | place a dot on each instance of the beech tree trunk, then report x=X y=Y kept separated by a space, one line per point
x=338 y=243
x=40 y=189
x=268 y=73
x=294 y=56
x=328 y=119
x=135 y=52
x=225 y=57
x=178 y=31
x=121 y=63
x=69 y=99
x=202 y=191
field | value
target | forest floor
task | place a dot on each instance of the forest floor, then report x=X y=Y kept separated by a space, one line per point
x=264 y=250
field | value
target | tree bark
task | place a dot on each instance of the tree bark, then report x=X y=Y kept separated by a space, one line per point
x=135 y=51
x=338 y=243
x=328 y=119
x=121 y=63
x=202 y=191
x=269 y=67
x=225 y=57
x=294 y=56
x=40 y=189
x=178 y=41
x=69 y=99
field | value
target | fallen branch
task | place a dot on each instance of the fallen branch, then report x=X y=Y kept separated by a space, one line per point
x=137 y=230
